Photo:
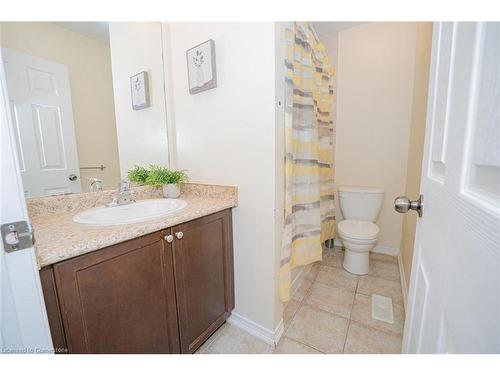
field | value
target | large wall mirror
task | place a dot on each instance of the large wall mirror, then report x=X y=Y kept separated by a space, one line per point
x=70 y=88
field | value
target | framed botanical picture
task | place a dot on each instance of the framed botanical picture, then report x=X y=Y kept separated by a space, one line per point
x=139 y=86
x=202 y=74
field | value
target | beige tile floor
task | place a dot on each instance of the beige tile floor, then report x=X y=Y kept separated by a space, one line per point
x=329 y=313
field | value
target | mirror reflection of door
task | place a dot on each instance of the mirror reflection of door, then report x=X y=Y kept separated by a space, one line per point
x=42 y=115
x=70 y=94
x=60 y=87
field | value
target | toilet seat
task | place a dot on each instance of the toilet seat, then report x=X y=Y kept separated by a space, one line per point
x=358 y=230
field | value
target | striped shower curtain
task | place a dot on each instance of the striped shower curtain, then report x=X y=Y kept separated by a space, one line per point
x=309 y=142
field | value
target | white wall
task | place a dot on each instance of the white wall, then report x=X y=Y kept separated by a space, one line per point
x=227 y=136
x=142 y=135
x=375 y=89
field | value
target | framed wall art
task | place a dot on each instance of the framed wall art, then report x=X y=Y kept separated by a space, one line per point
x=202 y=74
x=139 y=86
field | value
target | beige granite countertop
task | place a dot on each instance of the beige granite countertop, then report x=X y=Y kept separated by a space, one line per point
x=59 y=238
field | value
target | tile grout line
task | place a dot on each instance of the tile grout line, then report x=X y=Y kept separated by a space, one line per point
x=364 y=324
x=379 y=278
x=331 y=313
x=291 y=320
x=301 y=302
x=331 y=286
x=308 y=345
x=297 y=340
x=328 y=285
x=346 y=334
x=398 y=335
x=383 y=330
x=326 y=311
x=215 y=336
x=350 y=315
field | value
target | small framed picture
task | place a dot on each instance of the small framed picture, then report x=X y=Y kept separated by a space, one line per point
x=202 y=74
x=139 y=86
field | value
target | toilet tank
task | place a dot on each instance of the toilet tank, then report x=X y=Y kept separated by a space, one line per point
x=360 y=202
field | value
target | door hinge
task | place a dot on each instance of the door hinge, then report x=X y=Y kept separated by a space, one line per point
x=17 y=236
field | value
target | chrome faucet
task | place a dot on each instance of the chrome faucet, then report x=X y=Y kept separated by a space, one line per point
x=95 y=184
x=123 y=195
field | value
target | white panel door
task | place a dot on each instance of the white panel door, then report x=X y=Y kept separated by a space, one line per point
x=454 y=299
x=42 y=114
x=23 y=319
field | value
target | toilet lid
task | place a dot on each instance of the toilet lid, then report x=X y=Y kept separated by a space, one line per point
x=362 y=230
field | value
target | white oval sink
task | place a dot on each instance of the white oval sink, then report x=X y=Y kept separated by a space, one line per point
x=148 y=209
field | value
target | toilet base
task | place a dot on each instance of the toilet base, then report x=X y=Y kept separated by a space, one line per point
x=356 y=262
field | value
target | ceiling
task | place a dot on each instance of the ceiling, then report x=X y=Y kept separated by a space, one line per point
x=326 y=28
x=95 y=30
x=100 y=32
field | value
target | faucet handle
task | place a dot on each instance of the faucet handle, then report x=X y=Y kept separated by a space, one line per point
x=123 y=186
x=95 y=184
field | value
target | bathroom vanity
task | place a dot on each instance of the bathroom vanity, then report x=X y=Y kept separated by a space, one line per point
x=165 y=291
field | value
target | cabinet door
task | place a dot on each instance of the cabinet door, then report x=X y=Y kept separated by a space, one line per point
x=120 y=299
x=203 y=265
x=53 y=310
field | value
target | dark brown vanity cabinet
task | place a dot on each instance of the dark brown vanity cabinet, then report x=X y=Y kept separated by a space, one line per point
x=165 y=292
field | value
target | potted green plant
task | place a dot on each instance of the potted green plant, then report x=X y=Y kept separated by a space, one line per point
x=157 y=176
x=138 y=175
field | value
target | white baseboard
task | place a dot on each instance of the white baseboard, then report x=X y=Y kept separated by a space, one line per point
x=404 y=287
x=256 y=330
x=381 y=249
x=262 y=333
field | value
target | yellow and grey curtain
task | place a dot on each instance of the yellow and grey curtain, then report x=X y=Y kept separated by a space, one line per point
x=309 y=143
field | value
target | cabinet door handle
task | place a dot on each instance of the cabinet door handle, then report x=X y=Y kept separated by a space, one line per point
x=179 y=235
x=169 y=238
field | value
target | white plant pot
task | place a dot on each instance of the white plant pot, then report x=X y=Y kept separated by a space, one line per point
x=171 y=191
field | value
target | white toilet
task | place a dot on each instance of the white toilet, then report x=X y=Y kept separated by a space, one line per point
x=360 y=207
